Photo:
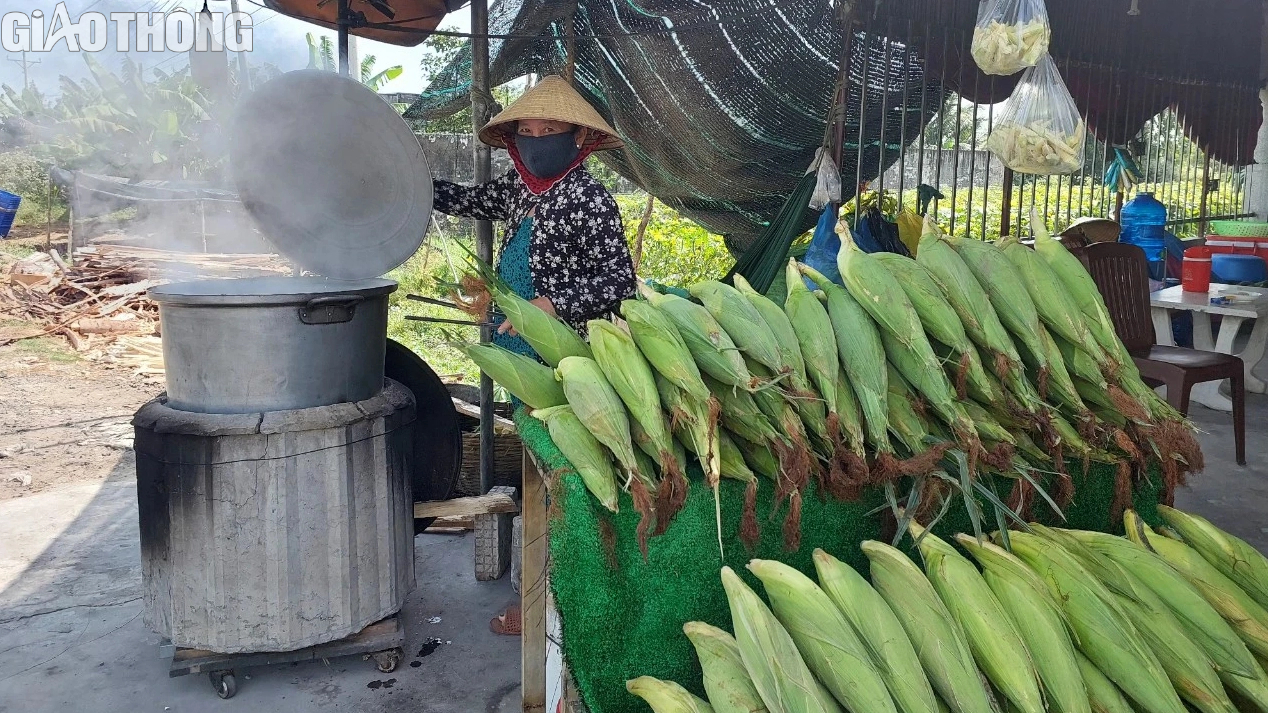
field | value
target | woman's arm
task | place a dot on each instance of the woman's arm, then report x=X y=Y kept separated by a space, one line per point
x=487 y=201
x=607 y=276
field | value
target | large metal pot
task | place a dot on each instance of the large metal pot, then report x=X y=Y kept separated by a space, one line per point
x=272 y=343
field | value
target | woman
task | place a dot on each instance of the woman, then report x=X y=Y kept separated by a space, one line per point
x=564 y=247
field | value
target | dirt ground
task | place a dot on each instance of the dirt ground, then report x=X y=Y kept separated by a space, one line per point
x=63 y=419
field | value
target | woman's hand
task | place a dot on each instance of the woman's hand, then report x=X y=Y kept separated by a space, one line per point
x=543 y=302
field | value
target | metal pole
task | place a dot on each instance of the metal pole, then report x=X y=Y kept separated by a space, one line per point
x=244 y=80
x=480 y=111
x=342 y=22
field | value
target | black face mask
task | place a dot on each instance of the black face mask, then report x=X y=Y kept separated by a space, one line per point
x=547 y=156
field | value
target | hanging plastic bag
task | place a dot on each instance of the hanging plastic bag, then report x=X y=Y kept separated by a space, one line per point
x=1041 y=131
x=828 y=181
x=1010 y=35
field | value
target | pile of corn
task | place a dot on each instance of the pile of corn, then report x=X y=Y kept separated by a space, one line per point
x=1067 y=621
x=915 y=375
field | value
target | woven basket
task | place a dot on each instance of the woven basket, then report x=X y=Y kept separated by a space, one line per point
x=507 y=456
x=1239 y=228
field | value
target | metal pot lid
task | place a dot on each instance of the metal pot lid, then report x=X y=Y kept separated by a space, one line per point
x=280 y=290
x=331 y=174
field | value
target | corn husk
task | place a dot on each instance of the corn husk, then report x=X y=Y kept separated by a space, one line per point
x=666 y=696
x=1005 y=49
x=1038 y=620
x=587 y=455
x=1231 y=555
x=992 y=636
x=1099 y=627
x=776 y=667
x=891 y=652
x=828 y=643
x=933 y=632
x=1103 y=695
x=1202 y=623
x=523 y=376
x=726 y=682
x=1236 y=606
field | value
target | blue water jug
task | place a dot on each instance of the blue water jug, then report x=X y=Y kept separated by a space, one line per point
x=1143 y=219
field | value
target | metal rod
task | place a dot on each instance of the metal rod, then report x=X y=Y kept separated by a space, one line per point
x=442 y=320
x=881 y=144
x=480 y=112
x=858 y=158
x=244 y=78
x=1230 y=216
x=342 y=23
x=1006 y=210
x=902 y=141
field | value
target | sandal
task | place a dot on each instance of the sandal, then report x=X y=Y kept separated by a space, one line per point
x=508 y=622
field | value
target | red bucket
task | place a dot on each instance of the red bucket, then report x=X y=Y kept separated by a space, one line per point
x=1195 y=276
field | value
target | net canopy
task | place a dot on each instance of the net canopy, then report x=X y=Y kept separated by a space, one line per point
x=723 y=103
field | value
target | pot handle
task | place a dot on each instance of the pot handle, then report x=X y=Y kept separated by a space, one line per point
x=332 y=309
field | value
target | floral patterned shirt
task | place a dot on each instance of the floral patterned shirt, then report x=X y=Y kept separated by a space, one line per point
x=578 y=256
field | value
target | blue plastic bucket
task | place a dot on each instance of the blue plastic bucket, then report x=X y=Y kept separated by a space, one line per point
x=8 y=211
x=1234 y=269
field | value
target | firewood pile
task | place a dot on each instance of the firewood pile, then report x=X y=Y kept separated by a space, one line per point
x=98 y=303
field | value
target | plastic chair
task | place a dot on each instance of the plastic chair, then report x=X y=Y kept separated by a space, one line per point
x=1121 y=274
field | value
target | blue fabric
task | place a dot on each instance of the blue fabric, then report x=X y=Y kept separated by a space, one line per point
x=513 y=269
x=824 y=246
x=864 y=239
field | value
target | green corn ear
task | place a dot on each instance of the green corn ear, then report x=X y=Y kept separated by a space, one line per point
x=862 y=357
x=661 y=343
x=726 y=682
x=993 y=638
x=711 y=347
x=741 y=320
x=1200 y=620
x=1231 y=555
x=777 y=321
x=1098 y=625
x=776 y=667
x=1030 y=607
x=1103 y=695
x=1053 y=302
x=546 y=334
x=1236 y=606
x=890 y=650
x=666 y=696
x=526 y=379
x=933 y=632
x=970 y=301
x=830 y=646
x=813 y=327
x=586 y=454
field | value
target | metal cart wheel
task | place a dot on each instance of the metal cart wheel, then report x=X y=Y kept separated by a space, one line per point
x=387 y=661
x=224 y=682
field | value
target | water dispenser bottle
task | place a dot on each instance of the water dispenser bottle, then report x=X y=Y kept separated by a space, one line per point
x=1143 y=219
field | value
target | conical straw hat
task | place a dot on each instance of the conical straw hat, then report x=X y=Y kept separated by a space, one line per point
x=554 y=100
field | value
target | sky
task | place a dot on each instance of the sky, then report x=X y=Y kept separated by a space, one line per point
x=278 y=39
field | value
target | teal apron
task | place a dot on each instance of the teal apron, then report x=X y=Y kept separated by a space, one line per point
x=513 y=269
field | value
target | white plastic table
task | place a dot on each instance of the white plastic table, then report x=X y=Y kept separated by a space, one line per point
x=1172 y=299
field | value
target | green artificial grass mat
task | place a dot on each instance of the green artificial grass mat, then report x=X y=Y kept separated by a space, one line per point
x=622 y=616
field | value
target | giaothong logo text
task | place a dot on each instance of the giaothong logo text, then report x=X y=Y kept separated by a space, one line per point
x=176 y=31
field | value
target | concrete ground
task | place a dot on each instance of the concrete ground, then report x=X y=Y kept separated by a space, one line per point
x=71 y=632
x=70 y=613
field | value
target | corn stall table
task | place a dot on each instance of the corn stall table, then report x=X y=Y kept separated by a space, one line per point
x=595 y=613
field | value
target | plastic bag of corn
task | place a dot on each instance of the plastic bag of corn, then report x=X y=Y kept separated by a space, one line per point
x=1010 y=35
x=1041 y=131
